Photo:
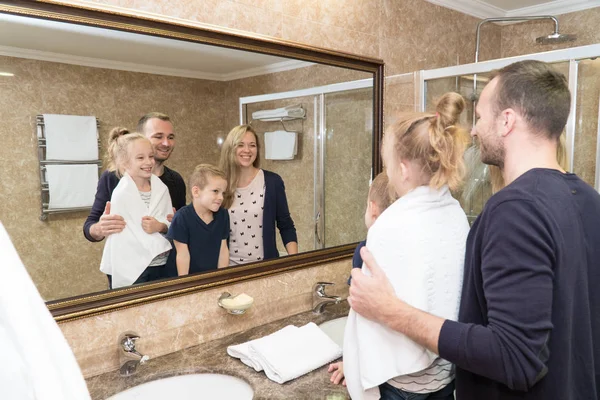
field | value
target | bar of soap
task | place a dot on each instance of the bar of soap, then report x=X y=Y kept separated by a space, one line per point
x=241 y=300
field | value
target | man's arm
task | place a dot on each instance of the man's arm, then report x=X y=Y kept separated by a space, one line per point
x=517 y=259
x=100 y=222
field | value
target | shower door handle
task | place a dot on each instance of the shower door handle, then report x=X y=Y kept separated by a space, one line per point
x=317 y=219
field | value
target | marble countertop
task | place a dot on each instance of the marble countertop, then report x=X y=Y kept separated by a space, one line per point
x=211 y=357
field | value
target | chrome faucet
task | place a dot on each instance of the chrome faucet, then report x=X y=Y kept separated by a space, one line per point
x=321 y=299
x=129 y=357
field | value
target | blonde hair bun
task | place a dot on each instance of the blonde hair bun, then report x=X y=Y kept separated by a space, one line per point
x=449 y=108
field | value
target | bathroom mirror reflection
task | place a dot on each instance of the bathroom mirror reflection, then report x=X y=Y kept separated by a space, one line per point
x=55 y=68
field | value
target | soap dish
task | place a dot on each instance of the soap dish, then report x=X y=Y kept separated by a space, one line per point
x=236 y=305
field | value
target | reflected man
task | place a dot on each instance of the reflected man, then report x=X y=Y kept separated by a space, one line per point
x=158 y=128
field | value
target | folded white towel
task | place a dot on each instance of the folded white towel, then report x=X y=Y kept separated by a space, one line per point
x=294 y=353
x=128 y=253
x=242 y=350
x=71 y=185
x=37 y=362
x=71 y=137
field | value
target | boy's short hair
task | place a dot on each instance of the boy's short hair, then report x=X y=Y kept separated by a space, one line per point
x=381 y=193
x=201 y=174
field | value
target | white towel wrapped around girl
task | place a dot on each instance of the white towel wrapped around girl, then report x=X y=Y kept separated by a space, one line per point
x=128 y=253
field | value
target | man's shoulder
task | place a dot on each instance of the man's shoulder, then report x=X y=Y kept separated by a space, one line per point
x=109 y=177
x=171 y=174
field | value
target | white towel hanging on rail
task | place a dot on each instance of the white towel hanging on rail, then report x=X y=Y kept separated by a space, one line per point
x=71 y=137
x=71 y=186
x=281 y=145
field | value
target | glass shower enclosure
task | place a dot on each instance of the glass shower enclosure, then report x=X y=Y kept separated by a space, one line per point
x=582 y=69
x=328 y=180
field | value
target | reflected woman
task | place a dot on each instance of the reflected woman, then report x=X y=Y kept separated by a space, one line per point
x=256 y=201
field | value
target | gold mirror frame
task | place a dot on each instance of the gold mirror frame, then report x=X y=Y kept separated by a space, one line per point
x=102 y=302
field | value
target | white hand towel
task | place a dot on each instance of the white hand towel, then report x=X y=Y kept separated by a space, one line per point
x=280 y=145
x=72 y=185
x=71 y=137
x=419 y=242
x=242 y=350
x=297 y=352
x=128 y=253
x=37 y=362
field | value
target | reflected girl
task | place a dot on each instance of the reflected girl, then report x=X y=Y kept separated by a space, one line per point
x=256 y=201
x=138 y=253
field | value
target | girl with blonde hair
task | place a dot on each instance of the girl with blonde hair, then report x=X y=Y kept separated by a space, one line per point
x=256 y=201
x=138 y=253
x=419 y=242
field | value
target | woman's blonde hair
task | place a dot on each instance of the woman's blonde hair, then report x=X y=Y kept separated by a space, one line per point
x=435 y=141
x=228 y=162
x=117 y=155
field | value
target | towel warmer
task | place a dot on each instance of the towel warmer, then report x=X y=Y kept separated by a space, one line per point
x=44 y=188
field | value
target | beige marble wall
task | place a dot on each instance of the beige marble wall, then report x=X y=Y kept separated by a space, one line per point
x=60 y=260
x=185 y=321
x=408 y=34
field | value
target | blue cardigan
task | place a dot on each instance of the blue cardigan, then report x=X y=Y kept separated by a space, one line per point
x=276 y=212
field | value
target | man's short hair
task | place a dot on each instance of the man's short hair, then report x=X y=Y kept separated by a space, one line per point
x=538 y=92
x=142 y=122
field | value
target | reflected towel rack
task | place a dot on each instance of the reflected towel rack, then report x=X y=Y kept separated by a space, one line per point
x=44 y=187
x=281 y=119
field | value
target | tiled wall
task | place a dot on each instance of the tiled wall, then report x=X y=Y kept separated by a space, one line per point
x=185 y=321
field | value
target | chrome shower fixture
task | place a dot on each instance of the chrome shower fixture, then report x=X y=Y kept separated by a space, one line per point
x=553 y=38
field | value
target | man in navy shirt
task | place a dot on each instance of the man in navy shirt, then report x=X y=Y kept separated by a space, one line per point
x=159 y=129
x=529 y=320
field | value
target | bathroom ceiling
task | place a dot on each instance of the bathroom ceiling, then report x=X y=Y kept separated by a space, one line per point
x=515 y=8
x=96 y=47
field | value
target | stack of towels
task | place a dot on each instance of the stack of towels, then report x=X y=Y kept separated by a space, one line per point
x=288 y=353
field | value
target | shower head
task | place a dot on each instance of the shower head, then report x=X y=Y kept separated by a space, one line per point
x=556 y=38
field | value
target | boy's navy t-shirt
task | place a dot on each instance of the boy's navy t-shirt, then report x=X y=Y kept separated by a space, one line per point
x=203 y=240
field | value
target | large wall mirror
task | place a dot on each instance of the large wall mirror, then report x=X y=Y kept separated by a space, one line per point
x=76 y=61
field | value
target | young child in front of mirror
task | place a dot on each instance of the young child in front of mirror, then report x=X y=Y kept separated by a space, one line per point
x=379 y=198
x=200 y=230
x=139 y=253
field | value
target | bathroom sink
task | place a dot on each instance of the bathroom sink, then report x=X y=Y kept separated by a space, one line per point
x=335 y=330
x=190 y=387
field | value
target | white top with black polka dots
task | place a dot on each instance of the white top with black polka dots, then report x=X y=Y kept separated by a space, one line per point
x=245 y=221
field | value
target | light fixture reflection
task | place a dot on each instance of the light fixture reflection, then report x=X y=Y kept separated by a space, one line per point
x=6 y=74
